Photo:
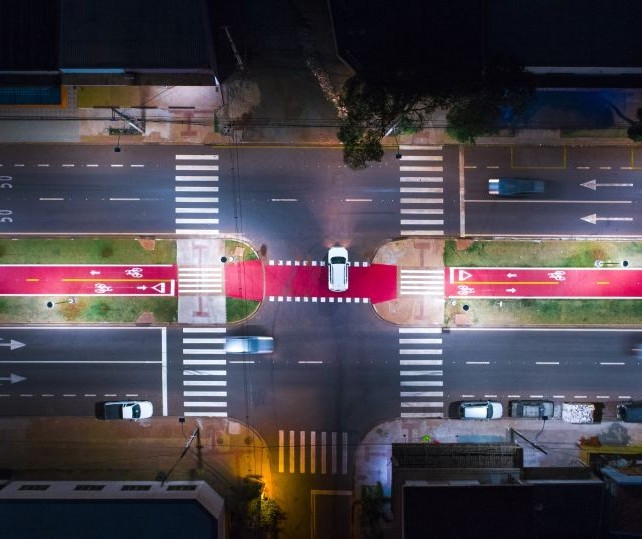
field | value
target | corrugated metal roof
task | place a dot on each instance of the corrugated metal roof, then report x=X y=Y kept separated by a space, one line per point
x=135 y=34
x=29 y=35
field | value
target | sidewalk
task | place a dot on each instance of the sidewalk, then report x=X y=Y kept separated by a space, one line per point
x=83 y=448
x=558 y=439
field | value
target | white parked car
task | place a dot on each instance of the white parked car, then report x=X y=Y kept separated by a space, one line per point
x=338 y=269
x=132 y=410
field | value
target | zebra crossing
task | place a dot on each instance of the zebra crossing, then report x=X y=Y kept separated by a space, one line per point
x=421 y=281
x=200 y=280
x=204 y=372
x=421 y=373
x=315 y=299
x=196 y=194
x=313 y=452
x=422 y=194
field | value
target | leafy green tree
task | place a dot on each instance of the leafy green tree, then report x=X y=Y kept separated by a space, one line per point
x=373 y=511
x=401 y=101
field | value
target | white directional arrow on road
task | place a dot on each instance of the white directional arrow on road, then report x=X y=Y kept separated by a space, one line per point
x=511 y=290
x=511 y=275
x=593 y=218
x=94 y=272
x=594 y=185
x=12 y=344
x=13 y=378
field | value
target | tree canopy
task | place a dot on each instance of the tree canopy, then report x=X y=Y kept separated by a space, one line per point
x=375 y=106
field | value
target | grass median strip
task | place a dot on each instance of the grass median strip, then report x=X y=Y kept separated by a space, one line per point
x=543 y=312
x=87 y=309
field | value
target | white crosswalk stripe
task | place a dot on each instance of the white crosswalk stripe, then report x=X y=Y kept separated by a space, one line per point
x=421 y=282
x=204 y=379
x=421 y=380
x=200 y=280
x=421 y=177
x=313 y=452
x=195 y=184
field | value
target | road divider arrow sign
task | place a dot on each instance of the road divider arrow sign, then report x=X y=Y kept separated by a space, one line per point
x=594 y=185
x=593 y=218
x=14 y=378
x=12 y=344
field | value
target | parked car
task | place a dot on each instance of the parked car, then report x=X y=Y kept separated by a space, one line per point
x=630 y=411
x=535 y=409
x=480 y=410
x=514 y=187
x=249 y=345
x=338 y=269
x=131 y=410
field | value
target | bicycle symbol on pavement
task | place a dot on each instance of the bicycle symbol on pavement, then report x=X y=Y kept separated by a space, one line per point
x=135 y=272
x=102 y=288
x=465 y=290
x=558 y=275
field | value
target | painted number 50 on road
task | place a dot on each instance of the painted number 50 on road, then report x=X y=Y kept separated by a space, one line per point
x=6 y=182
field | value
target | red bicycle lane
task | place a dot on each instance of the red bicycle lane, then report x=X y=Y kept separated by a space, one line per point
x=87 y=280
x=580 y=283
x=254 y=280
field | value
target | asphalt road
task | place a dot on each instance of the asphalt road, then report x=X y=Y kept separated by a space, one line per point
x=589 y=191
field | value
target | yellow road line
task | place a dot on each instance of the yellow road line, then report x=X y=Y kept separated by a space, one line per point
x=116 y=280
x=505 y=282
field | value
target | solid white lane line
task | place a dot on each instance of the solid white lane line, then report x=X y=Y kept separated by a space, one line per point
x=419 y=330
x=186 y=189
x=197 y=231
x=195 y=221
x=547 y=363
x=420 y=351
x=422 y=201
x=47 y=199
x=205 y=372
x=184 y=200
x=429 y=211
x=114 y=199
x=430 y=383
x=435 y=148
x=403 y=362
x=420 y=169
x=196 y=210
x=197 y=157
x=422 y=158
x=203 y=341
x=358 y=200
x=204 y=383
x=196 y=167
x=422 y=222
x=421 y=189
x=205 y=404
x=204 y=330
x=204 y=362
x=420 y=233
x=477 y=362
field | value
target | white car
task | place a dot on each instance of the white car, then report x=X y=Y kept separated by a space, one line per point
x=132 y=410
x=338 y=269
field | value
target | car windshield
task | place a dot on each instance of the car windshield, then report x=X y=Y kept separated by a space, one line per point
x=135 y=411
x=337 y=260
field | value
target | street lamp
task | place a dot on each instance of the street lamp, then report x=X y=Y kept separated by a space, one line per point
x=51 y=304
